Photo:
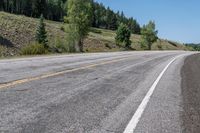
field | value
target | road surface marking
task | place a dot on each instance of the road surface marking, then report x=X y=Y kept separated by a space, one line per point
x=21 y=81
x=136 y=117
x=49 y=57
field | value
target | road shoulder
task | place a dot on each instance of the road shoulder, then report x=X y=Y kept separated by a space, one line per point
x=191 y=94
x=163 y=110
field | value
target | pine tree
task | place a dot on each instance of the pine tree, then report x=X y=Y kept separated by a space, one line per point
x=39 y=7
x=133 y=26
x=41 y=34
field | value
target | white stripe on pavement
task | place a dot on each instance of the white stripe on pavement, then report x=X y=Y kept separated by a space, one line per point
x=136 y=117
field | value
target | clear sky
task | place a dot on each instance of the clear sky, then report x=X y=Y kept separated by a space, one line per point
x=177 y=20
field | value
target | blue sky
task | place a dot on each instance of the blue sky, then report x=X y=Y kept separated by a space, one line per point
x=177 y=20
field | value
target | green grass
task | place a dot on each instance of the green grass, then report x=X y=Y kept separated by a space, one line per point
x=107 y=36
x=33 y=49
x=20 y=31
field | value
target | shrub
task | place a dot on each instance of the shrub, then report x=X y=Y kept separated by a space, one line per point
x=62 y=28
x=33 y=49
x=61 y=46
x=108 y=46
x=97 y=31
x=58 y=46
x=160 y=47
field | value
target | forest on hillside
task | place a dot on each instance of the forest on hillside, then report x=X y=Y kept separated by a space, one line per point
x=71 y=28
x=102 y=17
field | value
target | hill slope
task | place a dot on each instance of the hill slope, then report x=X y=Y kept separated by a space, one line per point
x=17 y=31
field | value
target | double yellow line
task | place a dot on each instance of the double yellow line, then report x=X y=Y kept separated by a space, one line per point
x=21 y=81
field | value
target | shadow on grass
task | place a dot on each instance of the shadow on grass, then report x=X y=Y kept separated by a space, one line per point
x=6 y=42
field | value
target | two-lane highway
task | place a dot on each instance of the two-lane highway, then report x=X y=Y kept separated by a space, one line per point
x=93 y=93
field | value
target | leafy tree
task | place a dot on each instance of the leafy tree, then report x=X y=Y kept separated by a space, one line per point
x=79 y=19
x=149 y=34
x=123 y=36
x=41 y=34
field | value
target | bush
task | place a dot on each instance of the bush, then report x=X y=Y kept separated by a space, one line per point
x=160 y=47
x=33 y=49
x=62 y=28
x=61 y=46
x=97 y=31
x=108 y=46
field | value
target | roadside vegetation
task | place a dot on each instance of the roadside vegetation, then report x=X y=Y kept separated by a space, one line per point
x=77 y=26
x=56 y=10
x=40 y=45
x=123 y=35
x=149 y=35
x=78 y=21
x=34 y=49
x=193 y=47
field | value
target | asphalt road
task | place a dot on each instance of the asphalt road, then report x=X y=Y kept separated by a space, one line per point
x=101 y=93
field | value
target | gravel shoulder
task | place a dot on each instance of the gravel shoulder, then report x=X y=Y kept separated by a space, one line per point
x=191 y=94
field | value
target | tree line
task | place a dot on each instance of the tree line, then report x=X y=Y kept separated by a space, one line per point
x=193 y=46
x=102 y=17
x=51 y=9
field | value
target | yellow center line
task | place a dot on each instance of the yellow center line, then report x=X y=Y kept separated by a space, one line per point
x=21 y=81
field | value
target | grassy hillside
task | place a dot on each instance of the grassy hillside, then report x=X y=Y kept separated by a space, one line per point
x=107 y=37
x=18 y=31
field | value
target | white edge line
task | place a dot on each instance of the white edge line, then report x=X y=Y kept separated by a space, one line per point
x=136 y=117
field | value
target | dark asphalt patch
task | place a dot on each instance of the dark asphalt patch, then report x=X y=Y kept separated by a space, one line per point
x=191 y=94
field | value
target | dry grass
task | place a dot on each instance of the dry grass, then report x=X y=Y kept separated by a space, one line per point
x=102 y=37
x=20 y=31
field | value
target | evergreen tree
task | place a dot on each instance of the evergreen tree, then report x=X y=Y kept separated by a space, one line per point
x=111 y=19
x=134 y=26
x=123 y=35
x=122 y=18
x=39 y=7
x=41 y=34
x=1 y=5
x=101 y=16
x=149 y=34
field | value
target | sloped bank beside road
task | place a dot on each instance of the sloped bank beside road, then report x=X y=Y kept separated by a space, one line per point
x=17 y=31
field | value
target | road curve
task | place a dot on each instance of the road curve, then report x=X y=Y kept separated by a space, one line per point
x=92 y=93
